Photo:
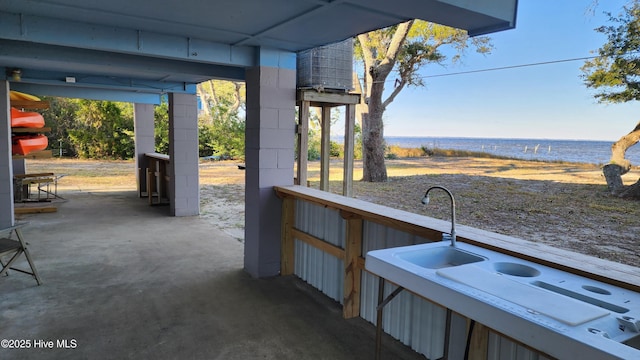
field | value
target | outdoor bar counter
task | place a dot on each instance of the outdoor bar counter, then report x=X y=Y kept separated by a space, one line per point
x=322 y=232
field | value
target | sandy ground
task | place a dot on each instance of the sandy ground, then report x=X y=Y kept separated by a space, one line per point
x=565 y=205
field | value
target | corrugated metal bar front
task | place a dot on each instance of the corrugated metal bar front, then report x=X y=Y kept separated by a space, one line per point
x=408 y=318
x=501 y=348
x=414 y=321
x=321 y=270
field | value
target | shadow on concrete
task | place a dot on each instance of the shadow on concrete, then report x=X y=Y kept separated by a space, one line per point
x=123 y=280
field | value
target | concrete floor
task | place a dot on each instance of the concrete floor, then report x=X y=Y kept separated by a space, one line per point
x=122 y=280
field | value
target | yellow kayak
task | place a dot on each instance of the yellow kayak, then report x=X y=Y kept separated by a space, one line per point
x=20 y=96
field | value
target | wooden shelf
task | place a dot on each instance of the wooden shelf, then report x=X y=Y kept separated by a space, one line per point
x=43 y=154
x=34 y=209
x=30 y=130
x=25 y=104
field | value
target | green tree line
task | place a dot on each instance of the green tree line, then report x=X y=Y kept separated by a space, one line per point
x=104 y=129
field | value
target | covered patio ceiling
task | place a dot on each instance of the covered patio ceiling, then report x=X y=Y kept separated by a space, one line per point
x=135 y=50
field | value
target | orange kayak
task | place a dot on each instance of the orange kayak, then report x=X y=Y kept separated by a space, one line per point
x=25 y=144
x=24 y=119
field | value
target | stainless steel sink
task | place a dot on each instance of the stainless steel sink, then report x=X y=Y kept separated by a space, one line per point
x=440 y=257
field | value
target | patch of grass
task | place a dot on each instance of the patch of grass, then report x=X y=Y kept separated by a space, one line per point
x=466 y=153
x=437 y=152
x=606 y=207
x=397 y=152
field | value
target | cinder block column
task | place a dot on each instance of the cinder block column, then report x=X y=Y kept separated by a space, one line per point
x=145 y=142
x=6 y=171
x=184 y=186
x=269 y=138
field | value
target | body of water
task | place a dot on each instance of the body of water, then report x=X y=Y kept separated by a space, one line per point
x=580 y=151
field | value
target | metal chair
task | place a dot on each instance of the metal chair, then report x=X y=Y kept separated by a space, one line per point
x=14 y=248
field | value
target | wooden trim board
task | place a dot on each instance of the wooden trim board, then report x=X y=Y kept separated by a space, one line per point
x=34 y=210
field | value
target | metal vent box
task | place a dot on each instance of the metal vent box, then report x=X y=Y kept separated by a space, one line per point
x=328 y=67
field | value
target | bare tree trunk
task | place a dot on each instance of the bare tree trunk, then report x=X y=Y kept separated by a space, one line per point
x=376 y=72
x=613 y=175
x=204 y=98
x=374 y=169
x=619 y=165
x=236 y=97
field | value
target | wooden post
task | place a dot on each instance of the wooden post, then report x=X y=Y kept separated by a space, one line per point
x=303 y=142
x=352 y=272
x=142 y=179
x=287 y=246
x=324 y=100
x=479 y=346
x=325 y=147
x=349 y=130
x=150 y=185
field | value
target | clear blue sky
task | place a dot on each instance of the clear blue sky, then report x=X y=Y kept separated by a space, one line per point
x=546 y=101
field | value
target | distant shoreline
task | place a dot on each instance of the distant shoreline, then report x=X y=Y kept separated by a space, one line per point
x=548 y=150
x=494 y=138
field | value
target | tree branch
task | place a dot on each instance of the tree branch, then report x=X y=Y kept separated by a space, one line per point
x=620 y=147
x=205 y=100
x=394 y=93
x=236 y=97
x=397 y=41
x=365 y=44
x=214 y=97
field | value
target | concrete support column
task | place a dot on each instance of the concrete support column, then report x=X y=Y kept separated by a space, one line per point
x=184 y=186
x=145 y=141
x=19 y=166
x=269 y=138
x=7 y=217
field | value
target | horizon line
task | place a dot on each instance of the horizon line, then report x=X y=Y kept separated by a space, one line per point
x=485 y=137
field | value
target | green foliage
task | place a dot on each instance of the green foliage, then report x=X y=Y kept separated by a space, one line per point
x=220 y=97
x=224 y=138
x=313 y=152
x=357 y=150
x=426 y=151
x=103 y=130
x=60 y=117
x=314 y=140
x=161 y=126
x=220 y=127
x=335 y=149
x=424 y=44
x=99 y=129
x=616 y=69
x=391 y=156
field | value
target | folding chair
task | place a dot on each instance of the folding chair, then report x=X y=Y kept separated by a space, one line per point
x=13 y=248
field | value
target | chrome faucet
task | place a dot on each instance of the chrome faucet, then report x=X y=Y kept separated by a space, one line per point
x=425 y=200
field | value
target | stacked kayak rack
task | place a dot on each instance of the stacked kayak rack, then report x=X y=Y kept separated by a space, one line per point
x=27 y=127
x=28 y=141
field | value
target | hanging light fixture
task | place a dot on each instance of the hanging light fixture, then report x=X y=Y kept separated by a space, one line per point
x=15 y=74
